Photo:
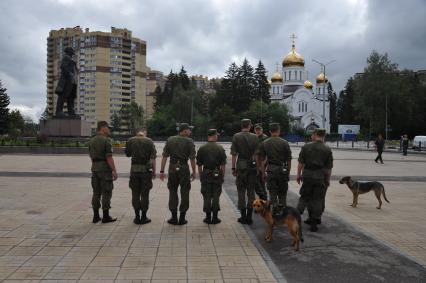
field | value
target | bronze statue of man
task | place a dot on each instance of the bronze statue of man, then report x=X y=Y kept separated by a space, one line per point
x=67 y=85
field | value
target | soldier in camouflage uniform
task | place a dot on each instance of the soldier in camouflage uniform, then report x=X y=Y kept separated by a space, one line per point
x=314 y=170
x=260 y=181
x=143 y=153
x=211 y=160
x=180 y=148
x=277 y=154
x=244 y=168
x=103 y=172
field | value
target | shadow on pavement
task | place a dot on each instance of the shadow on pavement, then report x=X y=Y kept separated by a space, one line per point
x=336 y=253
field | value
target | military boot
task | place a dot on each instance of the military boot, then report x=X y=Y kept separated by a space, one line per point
x=314 y=227
x=208 y=219
x=309 y=220
x=96 y=217
x=243 y=217
x=173 y=220
x=249 y=219
x=144 y=219
x=137 y=219
x=182 y=220
x=215 y=219
x=107 y=218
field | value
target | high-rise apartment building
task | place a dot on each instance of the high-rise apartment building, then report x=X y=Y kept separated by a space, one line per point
x=112 y=71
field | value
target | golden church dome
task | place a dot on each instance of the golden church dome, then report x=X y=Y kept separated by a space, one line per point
x=320 y=78
x=308 y=84
x=276 y=77
x=293 y=59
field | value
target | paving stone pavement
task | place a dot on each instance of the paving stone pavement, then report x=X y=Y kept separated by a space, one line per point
x=46 y=235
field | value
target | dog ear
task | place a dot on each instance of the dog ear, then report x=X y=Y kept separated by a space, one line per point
x=266 y=203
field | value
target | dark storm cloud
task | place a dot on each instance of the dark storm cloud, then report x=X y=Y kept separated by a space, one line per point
x=206 y=36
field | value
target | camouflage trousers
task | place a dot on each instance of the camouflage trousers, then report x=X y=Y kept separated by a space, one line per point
x=102 y=189
x=179 y=178
x=277 y=186
x=246 y=183
x=312 y=196
x=141 y=184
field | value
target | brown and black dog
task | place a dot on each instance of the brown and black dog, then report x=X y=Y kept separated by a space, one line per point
x=358 y=188
x=289 y=216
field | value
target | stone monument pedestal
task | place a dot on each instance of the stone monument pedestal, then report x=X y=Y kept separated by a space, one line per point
x=65 y=127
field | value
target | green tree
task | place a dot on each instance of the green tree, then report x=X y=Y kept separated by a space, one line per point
x=4 y=109
x=116 y=122
x=16 y=124
x=345 y=110
x=333 y=108
x=273 y=112
x=246 y=87
x=132 y=116
x=261 y=84
x=377 y=87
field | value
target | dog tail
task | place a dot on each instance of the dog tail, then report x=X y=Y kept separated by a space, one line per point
x=383 y=192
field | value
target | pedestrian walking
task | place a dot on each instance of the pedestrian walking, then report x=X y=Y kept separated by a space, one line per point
x=211 y=160
x=244 y=168
x=179 y=148
x=405 y=145
x=142 y=151
x=103 y=172
x=379 y=144
x=314 y=171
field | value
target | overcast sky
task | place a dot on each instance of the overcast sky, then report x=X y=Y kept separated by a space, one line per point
x=206 y=36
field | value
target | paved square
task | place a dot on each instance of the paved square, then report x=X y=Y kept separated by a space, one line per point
x=46 y=231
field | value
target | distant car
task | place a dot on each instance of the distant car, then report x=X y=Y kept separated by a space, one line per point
x=419 y=141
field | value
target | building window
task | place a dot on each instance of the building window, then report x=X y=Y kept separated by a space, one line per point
x=303 y=107
x=300 y=75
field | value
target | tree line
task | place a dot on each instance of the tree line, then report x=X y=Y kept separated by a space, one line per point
x=384 y=90
x=12 y=122
x=242 y=93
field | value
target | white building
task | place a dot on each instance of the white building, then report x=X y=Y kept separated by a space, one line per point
x=304 y=101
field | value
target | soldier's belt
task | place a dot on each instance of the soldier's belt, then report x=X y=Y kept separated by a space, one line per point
x=98 y=160
x=313 y=167
x=276 y=163
x=176 y=161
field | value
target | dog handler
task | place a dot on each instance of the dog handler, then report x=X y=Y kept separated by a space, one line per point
x=244 y=168
x=260 y=181
x=277 y=154
x=143 y=153
x=211 y=160
x=314 y=171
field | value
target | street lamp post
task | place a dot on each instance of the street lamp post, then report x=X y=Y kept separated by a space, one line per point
x=323 y=95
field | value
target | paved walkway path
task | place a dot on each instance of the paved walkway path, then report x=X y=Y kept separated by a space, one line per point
x=46 y=234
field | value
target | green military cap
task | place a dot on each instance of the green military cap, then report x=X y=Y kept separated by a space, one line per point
x=102 y=124
x=245 y=123
x=184 y=126
x=319 y=132
x=258 y=126
x=274 y=127
x=212 y=132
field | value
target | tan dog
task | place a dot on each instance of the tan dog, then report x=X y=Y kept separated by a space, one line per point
x=289 y=216
x=357 y=188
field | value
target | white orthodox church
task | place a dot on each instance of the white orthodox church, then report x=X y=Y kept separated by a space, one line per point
x=291 y=87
